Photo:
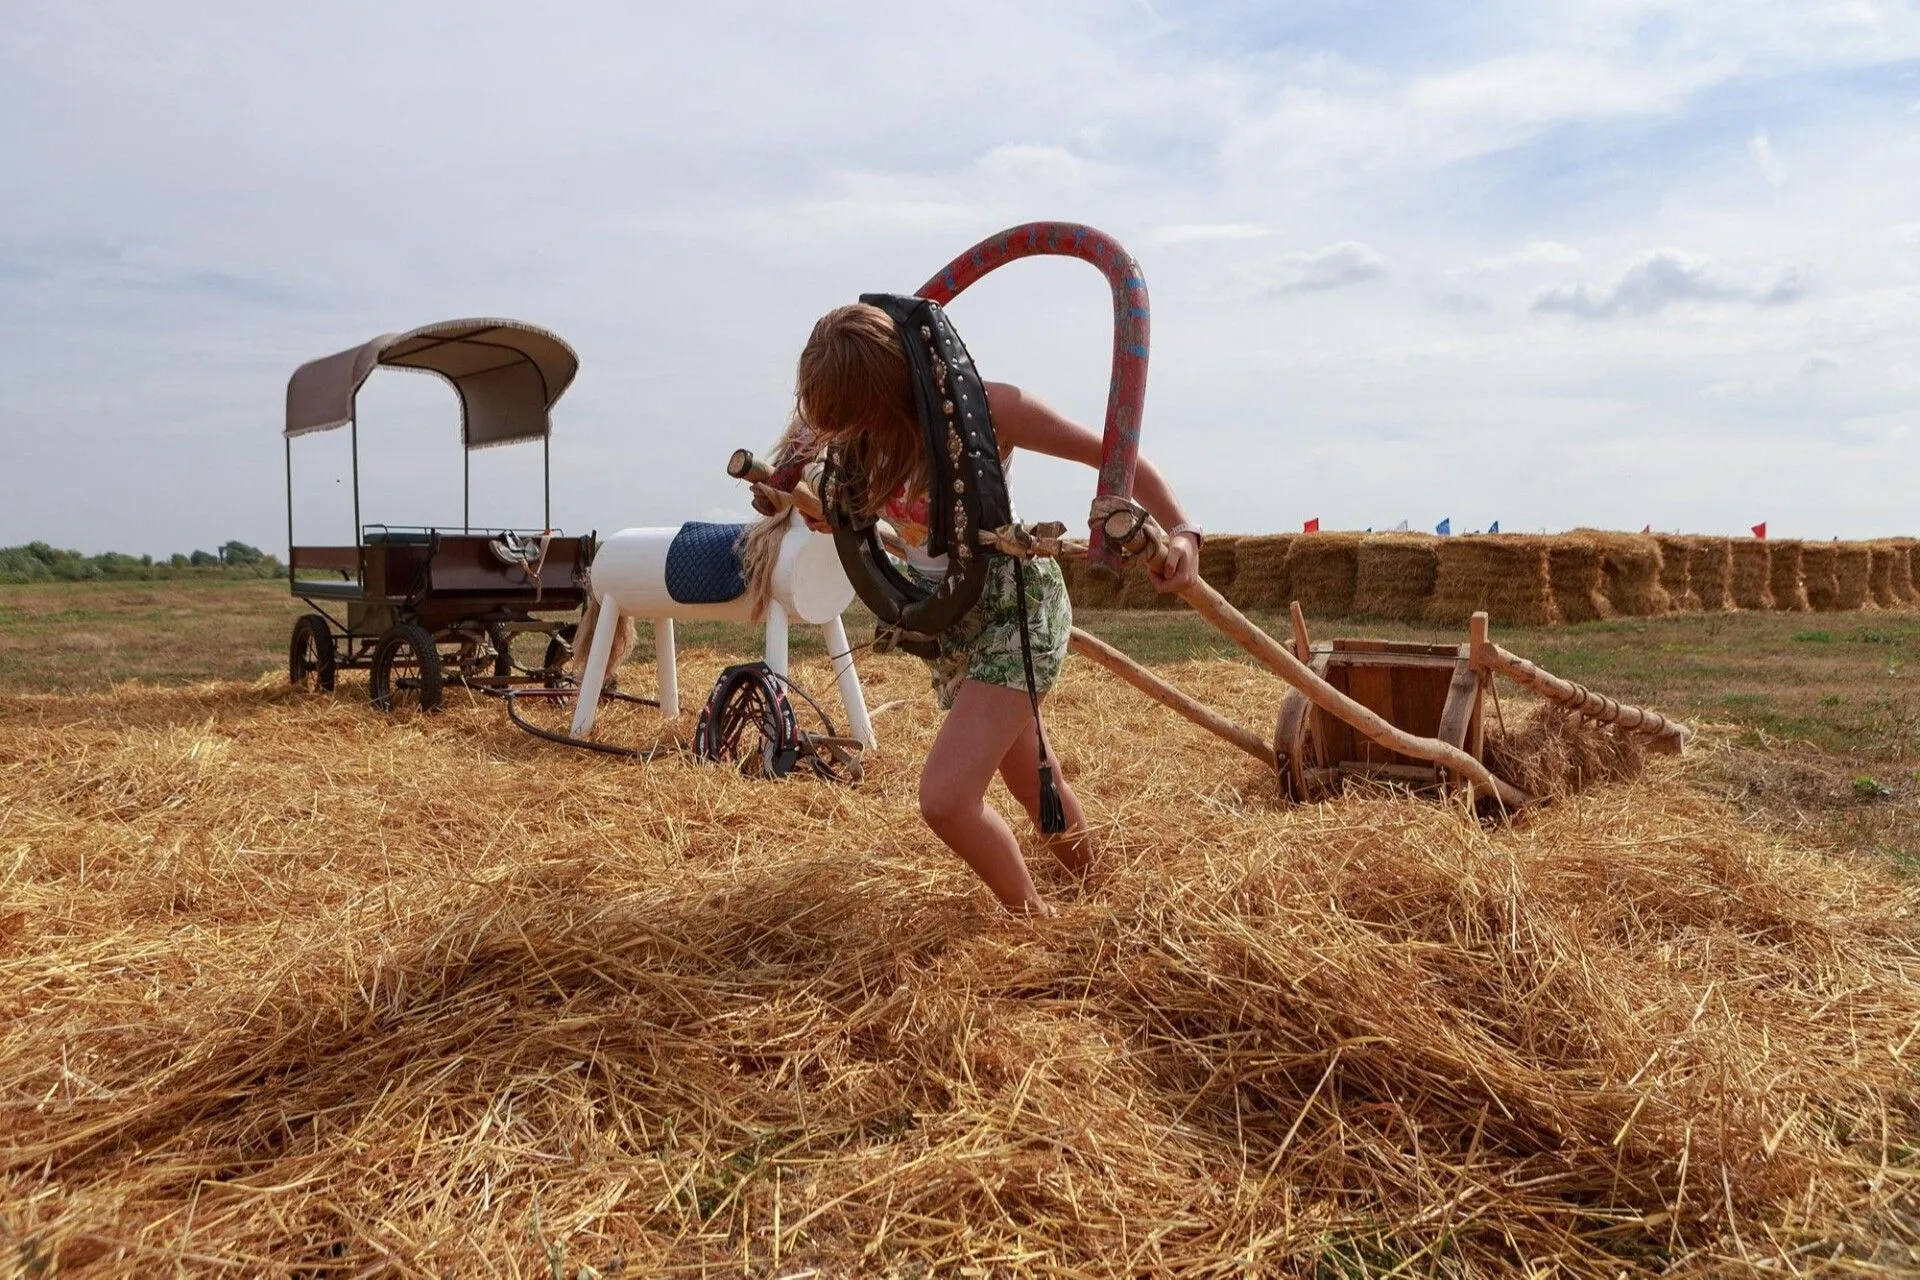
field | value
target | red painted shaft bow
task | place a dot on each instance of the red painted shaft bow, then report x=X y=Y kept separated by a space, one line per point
x=1127 y=391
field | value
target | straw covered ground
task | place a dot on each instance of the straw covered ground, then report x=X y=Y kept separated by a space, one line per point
x=288 y=987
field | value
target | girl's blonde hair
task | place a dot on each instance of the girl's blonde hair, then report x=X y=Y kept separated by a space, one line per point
x=853 y=389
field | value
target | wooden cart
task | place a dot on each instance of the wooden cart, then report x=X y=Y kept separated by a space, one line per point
x=418 y=606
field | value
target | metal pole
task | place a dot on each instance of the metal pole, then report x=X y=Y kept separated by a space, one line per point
x=546 y=479
x=466 y=488
x=289 y=444
x=355 y=431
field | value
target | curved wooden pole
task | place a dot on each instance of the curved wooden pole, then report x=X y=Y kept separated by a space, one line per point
x=1667 y=736
x=1137 y=535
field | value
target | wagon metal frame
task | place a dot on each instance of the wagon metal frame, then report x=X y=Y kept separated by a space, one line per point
x=417 y=605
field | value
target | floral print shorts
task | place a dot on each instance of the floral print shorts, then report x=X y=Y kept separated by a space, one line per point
x=985 y=644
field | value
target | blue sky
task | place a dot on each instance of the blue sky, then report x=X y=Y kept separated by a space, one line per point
x=1554 y=264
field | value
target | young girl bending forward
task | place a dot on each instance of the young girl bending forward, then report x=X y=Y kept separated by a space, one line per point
x=853 y=384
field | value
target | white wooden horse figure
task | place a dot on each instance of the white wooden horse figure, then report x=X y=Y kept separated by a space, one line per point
x=694 y=571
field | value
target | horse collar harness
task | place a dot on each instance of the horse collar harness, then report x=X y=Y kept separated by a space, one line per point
x=966 y=491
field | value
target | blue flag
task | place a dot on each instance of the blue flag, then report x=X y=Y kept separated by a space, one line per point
x=1494 y=527
x=1445 y=527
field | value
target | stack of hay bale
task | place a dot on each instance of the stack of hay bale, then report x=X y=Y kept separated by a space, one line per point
x=1676 y=578
x=1505 y=574
x=1818 y=562
x=1395 y=575
x=1710 y=573
x=1523 y=580
x=1785 y=577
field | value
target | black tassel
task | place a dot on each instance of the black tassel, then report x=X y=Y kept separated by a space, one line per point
x=1053 y=816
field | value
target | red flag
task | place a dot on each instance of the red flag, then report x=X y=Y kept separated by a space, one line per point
x=1311 y=526
x=1648 y=529
x=1760 y=530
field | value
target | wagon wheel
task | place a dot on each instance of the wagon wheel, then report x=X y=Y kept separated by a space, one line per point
x=1297 y=752
x=406 y=670
x=310 y=653
x=507 y=662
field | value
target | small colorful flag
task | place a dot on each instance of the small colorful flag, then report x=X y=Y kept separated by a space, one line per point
x=1494 y=527
x=1445 y=527
x=1311 y=526
x=1401 y=527
x=1760 y=531
x=1648 y=529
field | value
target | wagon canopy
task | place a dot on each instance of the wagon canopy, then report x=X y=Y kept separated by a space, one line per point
x=507 y=375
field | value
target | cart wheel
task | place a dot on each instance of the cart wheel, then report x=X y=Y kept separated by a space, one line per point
x=310 y=653
x=559 y=651
x=406 y=670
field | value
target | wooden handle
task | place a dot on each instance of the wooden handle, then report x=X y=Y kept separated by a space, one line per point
x=1091 y=646
x=1667 y=736
x=1137 y=537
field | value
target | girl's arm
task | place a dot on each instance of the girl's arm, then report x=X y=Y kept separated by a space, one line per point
x=1022 y=422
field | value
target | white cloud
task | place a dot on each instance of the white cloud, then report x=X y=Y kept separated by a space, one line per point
x=1536 y=253
x=1334 y=267
x=1761 y=149
x=1818 y=363
x=1665 y=276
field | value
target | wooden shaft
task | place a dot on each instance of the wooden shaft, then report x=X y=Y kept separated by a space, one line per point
x=1091 y=646
x=1302 y=642
x=1147 y=540
x=1667 y=735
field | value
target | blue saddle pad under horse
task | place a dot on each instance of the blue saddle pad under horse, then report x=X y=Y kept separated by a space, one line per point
x=703 y=564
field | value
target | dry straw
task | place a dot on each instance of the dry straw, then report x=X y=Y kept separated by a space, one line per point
x=1676 y=556
x=1853 y=576
x=1139 y=592
x=1574 y=568
x=1260 y=579
x=1819 y=563
x=1630 y=563
x=1323 y=570
x=1750 y=580
x=290 y=987
x=1784 y=575
x=1396 y=573
x=1710 y=573
x=1505 y=574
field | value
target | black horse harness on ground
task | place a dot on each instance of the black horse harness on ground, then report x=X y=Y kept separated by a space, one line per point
x=966 y=497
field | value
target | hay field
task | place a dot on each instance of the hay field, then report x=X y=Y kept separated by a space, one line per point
x=294 y=988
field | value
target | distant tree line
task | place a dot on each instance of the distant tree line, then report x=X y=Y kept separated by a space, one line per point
x=38 y=562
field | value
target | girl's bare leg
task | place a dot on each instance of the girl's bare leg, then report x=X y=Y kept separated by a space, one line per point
x=1020 y=770
x=984 y=724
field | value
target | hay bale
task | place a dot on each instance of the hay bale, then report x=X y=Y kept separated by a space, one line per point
x=1395 y=576
x=1750 y=578
x=1710 y=572
x=1630 y=566
x=1218 y=560
x=1784 y=575
x=1853 y=574
x=1818 y=571
x=1900 y=552
x=1505 y=574
x=1325 y=569
x=1138 y=592
x=1260 y=579
x=1880 y=575
x=1088 y=588
x=1574 y=570
x=1676 y=555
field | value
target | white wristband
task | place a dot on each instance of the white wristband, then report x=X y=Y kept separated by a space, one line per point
x=1188 y=527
